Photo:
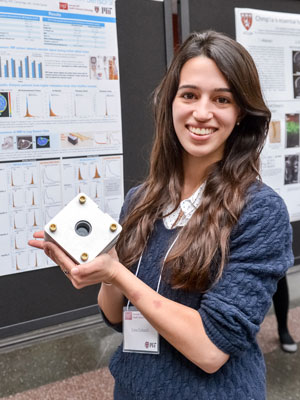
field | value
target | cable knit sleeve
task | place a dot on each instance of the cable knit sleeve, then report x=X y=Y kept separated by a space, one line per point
x=260 y=254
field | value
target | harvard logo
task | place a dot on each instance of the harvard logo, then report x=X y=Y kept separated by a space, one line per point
x=128 y=315
x=97 y=9
x=147 y=345
x=246 y=20
x=63 y=6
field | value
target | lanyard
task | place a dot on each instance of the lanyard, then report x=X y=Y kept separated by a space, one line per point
x=159 y=279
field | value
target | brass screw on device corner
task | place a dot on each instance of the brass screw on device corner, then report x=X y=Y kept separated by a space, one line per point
x=84 y=256
x=53 y=227
x=82 y=199
x=113 y=227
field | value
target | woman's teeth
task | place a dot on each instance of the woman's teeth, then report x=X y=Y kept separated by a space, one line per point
x=201 y=131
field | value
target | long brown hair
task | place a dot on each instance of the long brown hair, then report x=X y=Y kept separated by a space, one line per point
x=200 y=254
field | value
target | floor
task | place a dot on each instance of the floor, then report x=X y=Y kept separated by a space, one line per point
x=283 y=375
x=70 y=361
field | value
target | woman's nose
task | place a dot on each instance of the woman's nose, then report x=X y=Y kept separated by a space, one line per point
x=202 y=110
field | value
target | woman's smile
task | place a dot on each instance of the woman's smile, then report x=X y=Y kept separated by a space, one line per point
x=201 y=131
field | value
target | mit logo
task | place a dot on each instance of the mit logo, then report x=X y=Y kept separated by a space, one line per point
x=106 y=10
x=150 y=345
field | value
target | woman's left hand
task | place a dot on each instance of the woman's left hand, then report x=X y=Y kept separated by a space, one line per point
x=102 y=268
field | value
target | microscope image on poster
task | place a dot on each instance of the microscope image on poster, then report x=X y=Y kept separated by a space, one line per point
x=82 y=230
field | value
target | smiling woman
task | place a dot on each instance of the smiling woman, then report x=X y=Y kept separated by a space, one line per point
x=204 y=242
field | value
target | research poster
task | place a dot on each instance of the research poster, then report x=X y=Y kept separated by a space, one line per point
x=60 y=118
x=273 y=40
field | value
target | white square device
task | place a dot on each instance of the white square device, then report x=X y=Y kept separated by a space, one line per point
x=82 y=230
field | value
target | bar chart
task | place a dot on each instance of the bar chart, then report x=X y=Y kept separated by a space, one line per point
x=26 y=67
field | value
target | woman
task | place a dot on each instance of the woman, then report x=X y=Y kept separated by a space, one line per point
x=204 y=242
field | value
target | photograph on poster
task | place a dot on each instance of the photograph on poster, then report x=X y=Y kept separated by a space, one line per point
x=103 y=67
x=78 y=139
x=7 y=143
x=5 y=108
x=42 y=142
x=296 y=62
x=24 y=142
x=296 y=73
x=296 y=84
x=291 y=172
x=292 y=126
x=275 y=132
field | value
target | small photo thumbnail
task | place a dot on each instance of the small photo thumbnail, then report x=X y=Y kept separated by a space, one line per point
x=291 y=172
x=292 y=130
x=24 y=142
x=5 y=104
x=42 y=142
x=275 y=132
x=7 y=143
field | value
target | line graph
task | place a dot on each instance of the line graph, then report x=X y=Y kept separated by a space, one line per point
x=52 y=194
x=111 y=167
x=50 y=172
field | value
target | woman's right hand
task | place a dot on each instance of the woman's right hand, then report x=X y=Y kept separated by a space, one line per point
x=102 y=269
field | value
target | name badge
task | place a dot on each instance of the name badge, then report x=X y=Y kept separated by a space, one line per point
x=138 y=335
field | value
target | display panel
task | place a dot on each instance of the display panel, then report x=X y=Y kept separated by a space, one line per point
x=272 y=38
x=60 y=114
x=43 y=296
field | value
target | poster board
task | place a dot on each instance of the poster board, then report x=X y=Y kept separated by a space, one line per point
x=60 y=112
x=198 y=15
x=44 y=297
x=272 y=38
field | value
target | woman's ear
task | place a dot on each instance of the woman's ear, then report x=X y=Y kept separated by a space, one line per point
x=240 y=118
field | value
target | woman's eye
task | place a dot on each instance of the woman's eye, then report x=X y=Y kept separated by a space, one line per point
x=188 y=96
x=223 y=100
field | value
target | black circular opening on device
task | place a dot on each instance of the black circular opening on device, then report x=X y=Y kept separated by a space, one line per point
x=83 y=228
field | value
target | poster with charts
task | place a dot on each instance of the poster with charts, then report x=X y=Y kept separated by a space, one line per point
x=273 y=40
x=60 y=117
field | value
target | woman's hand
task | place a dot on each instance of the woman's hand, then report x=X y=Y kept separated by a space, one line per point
x=102 y=269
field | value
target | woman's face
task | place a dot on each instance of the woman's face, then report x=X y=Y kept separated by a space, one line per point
x=204 y=110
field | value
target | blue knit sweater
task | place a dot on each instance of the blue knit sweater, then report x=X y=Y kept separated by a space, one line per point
x=232 y=311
